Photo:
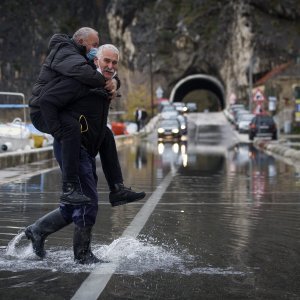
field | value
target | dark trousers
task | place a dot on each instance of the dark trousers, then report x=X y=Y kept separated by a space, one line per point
x=70 y=140
x=84 y=215
x=70 y=149
x=110 y=160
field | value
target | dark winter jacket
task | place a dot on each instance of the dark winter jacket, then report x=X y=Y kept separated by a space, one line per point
x=76 y=97
x=65 y=58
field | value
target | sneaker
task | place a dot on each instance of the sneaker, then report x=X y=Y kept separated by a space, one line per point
x=72 y=195
x=123 y=195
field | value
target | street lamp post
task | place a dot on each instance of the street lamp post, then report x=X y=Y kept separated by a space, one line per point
x=252 y=62
x=151 y=84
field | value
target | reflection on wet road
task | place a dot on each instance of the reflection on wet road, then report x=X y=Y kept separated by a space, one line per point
x=226 y=227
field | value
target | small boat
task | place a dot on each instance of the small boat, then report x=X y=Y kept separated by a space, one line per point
x=17 y=136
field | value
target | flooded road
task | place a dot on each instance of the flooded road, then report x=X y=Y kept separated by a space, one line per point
x=219 y=222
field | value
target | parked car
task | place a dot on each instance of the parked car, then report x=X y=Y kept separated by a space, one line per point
x=192 y=107
x=243 y=122
x=169 y=129
x=183 y=124
x=169 y=112
x=232 y=109
x=238 y=114
x=180 y=107
x=162 y=104
x=262 y=126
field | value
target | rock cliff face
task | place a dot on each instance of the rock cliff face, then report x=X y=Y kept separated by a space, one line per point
x=26 y=28
x=212 y=37
x=218 y=38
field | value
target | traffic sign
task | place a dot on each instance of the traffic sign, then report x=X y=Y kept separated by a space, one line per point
x=258 y=96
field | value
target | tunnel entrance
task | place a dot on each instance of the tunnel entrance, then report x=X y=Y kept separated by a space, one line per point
x=207 y=91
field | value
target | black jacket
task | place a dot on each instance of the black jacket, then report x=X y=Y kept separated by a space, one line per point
x=76 y=97
x=65 y=58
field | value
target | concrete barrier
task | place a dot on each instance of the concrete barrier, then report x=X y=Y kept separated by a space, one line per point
x=12 y=159
x=22 y=157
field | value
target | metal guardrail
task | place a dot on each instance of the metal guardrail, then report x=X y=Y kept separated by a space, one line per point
x=24 y=105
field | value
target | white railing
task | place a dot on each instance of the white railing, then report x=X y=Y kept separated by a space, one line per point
x=24 y=105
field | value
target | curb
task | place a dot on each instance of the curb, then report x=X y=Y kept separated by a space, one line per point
x=277 y=149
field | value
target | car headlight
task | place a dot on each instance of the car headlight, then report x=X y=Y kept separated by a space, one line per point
x=160 y=130
x=182 y=127
x=175 y=130
x=185 y=108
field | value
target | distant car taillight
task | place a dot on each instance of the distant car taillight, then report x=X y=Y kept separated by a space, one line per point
x=252 y=126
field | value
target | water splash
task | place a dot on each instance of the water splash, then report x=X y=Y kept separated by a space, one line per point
x=132 y=256
x=136 y=257
x=18 y=249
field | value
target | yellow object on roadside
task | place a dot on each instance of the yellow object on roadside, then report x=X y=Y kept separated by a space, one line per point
x=38 y=140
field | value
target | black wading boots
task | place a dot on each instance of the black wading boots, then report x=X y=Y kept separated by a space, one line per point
x=44 y=226
x=82 y=246
x=72 y=194
x=121 y=195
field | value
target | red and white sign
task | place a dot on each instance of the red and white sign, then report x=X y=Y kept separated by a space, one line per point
x=259 y=109
x=258 y=96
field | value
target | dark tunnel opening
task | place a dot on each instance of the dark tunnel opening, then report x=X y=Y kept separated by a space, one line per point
x=199 y=83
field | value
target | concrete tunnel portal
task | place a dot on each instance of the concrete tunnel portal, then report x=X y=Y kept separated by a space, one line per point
x=198 y=82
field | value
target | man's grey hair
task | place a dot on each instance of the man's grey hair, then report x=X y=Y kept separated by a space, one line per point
x=109 y=47
x=83 y=33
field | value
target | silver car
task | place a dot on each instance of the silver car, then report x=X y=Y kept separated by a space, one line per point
x=243 y=122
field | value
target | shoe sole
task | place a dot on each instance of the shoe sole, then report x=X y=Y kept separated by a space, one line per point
x=118 y=203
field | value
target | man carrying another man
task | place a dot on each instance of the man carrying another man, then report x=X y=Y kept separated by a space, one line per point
x=93 y=105
x=74 y=58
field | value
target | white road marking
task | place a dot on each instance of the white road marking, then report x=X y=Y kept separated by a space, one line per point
x=95 y=283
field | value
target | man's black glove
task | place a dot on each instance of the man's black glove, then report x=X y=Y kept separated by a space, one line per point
x=100 y=92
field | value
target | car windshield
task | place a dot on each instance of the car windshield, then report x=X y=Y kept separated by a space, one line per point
x=168 y=108
x=246 y=117
x=264 y=119
x=169 y=123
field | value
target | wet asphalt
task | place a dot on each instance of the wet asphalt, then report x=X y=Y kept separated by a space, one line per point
x=218 y=222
